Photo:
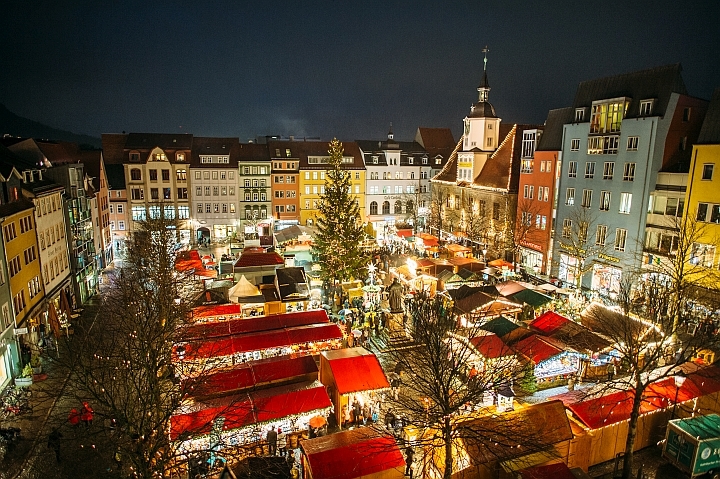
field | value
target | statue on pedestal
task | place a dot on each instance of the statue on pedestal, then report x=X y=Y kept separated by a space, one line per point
x=395 y=296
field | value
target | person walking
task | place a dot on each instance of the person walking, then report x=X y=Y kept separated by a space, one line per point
x=610 y=370
x=357 y=412
x=87 y=414
x=54 y=443
x=272 y=437
x=409 y=461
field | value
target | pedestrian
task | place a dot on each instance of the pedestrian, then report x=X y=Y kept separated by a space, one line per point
x=610 y=370
x=389 y=419
x=54 y=443
x=409 y=461
x=282 y=442
x=346 y=415
x=74 y=417
x=367 y=413
x=86 y=414
x=571 y=383
x=272 y=437
x=357 y=412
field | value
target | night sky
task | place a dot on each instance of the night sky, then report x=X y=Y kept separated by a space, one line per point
x=324 y=69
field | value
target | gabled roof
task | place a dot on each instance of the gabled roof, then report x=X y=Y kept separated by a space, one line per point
x=502 y=169
x=113 y=147
x=538 y=348
x=303 y=149
x=249 y=260
x=710 y=131
x=490 y=346
x=8 y=162
x=202 y=145
x=248 y=152
x=551 y=139
x=654 y=83
x=435 y=140
x=116 y=176
x=9 y=209
x=356 y=370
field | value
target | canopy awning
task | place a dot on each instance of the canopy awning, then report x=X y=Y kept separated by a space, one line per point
x=500 y=263
x=456 y=248
x=358 y=453
x=250 y=375
x=356 y=369
x=246 y=290
x=251 y=325
x=244 y=343
x=428 y=239
x=245 y=409
x=537 y=348
x=490 y=346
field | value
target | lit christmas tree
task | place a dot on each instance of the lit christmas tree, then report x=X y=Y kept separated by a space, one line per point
x=339 y=228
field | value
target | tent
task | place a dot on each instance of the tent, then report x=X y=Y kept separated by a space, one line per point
x=245 y=292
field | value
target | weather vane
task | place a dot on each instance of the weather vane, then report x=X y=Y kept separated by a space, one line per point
x=485 y=51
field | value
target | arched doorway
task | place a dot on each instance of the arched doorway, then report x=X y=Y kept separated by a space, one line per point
x=203 y=234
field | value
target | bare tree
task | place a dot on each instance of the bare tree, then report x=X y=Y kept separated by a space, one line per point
x=444 y=379
x=581 y=238
x=647 y=354
x=527 y=227
x=685 y=263
x=441 y=215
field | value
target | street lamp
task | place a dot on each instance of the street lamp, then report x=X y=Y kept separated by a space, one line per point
x=679 y=380
x=484 y=252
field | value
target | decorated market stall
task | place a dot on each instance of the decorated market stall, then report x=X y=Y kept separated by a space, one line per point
x=248 y=296
x=351 y=375
x=243 y=419
x=552 y=358
x=361 y=453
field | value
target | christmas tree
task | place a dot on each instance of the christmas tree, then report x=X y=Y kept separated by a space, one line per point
x=339 y=228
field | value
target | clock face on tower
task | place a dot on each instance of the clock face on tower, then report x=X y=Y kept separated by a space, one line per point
x=467 y=126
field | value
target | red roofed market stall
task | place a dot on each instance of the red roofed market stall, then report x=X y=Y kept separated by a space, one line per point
x=244 y=418
x=604 y=417
x=238 y=325
x=359 y=453
x=353 y=374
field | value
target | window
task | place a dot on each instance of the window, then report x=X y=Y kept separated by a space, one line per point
x=604 y=201
x=572 y=169
x=579 y=114
x=386 y=208
x=19 y=302
x=702 y=212
x=567 y=228
x=607 y=116
x=646 y=107
x=620 y=239
x=632 y=143
x=674 y=207
x=181 y=175
x=279 y=209
x=629 y=172
x=543 y=222
x=182 y=193
x=496 y=211
x=490 y=141
x=198 y=191
x=357 y=175
x=14 y=266
x=197 y=175
x=255 y=196
x=153 y=175
x=590 y=169
x=216 y=208
x=625 y=202
x=166 y=175
x=686 y=115
x=206 y=175
x=600 y=235
x=575 y=144
x=121 y=225
x=135 y=157
x=166 y=193
x=715 y=214
x=154 y=194
x=373 y=208
x=138 y=213
x=135 y=174
x=702 y=254
x=180 y=157
x=207 y=191
x=216 y=190
x=231 y=190
x=29 y=255
x=199 y=207
x=707 y=172
x=586 y=199
x=111 y=208
x=608 y=170
x=279 y=194
x=9 y=232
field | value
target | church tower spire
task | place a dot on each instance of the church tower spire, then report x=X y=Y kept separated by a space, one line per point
x=484 y=88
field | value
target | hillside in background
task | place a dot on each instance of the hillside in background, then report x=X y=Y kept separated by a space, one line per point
x=11 y=124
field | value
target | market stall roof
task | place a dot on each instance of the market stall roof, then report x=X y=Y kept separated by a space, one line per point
x=500 y=263
x=244 y=291
x=428 y=239
x=214 y=310
x=356 y=369
x=461 y=276
x=551 y=471
x=358 y=453
x=500 y=326
x=287 y=234
x=276 y=338
x=508 y=288
x=404 y=233
x=467 y=298
x=531 y=297
x=540 y=425
x=550 y=288
x=569 y=332
x=252 y=324
x=490 y=346
x=424 y=262
x=598 y=409
x=456 y=248
x=251 y=375
x=292 y=283
x=538 y=348
x=245 y=409
x=250 y=260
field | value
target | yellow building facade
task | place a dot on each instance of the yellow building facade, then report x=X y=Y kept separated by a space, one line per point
x=23 y=261
x=703 y=209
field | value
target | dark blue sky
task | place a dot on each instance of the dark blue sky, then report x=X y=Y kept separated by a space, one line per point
x=336 y=68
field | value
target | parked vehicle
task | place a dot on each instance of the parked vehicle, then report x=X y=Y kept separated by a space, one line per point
x=693 y=445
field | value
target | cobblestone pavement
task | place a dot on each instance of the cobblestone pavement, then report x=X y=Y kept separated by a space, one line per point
x=51 y=399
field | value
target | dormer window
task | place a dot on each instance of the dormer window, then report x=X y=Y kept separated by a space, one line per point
x=646 y=107
x=410 y=161
x=180 y=157
x=135 y=157
x=375 y=160
x=424 y=161
x=579 y=114
x=287 y=152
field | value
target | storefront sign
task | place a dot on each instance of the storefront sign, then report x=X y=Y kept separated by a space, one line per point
x=531 y=245
x=572 y=248
x=19 y=331
x=608 y=257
